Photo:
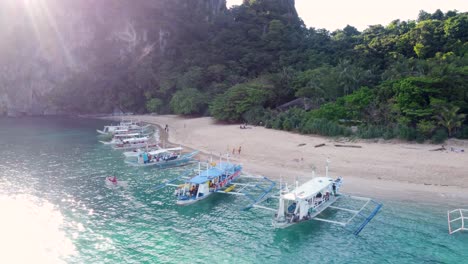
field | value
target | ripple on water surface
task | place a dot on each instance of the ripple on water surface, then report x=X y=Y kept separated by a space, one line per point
x=56 y=206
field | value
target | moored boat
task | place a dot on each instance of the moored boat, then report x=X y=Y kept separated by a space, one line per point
x=160 y=158
x=308 y=200
x=207 y=182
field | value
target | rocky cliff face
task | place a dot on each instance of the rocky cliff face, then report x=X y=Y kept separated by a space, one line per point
x=286 y=7
x=51 y=42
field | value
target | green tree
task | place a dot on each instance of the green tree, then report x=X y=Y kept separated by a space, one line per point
x=449 y=118
x=239 y=99
x=154 y=105
x=188 y=101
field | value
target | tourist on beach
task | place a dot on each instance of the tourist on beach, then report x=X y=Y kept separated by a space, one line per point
x=239 y=150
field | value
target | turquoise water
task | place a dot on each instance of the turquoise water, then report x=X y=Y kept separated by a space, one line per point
x=56 y=207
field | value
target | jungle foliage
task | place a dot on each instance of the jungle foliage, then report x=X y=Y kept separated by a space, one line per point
x=408 y=79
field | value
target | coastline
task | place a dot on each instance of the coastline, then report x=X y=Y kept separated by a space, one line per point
x=381 y=170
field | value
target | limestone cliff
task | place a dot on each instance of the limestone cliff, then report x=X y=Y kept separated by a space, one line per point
x=46 y=44
x=286 y=7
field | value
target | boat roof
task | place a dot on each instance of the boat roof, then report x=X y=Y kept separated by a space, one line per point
x=159 y=151
x=135 y=139
x=211 y=173
x=127 y=135
x=309 y=189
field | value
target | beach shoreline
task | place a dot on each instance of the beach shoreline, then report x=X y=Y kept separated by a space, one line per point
x=397 y=170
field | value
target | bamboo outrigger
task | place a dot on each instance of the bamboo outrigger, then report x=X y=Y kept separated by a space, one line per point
x=309 y=200
x=460 y=219
x=220 y=177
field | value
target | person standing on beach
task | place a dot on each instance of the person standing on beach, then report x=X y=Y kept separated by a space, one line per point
x=239 y=150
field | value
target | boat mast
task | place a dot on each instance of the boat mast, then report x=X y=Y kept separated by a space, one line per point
x=326 y=168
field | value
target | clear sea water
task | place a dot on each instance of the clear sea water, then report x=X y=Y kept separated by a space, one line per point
x=55 y=208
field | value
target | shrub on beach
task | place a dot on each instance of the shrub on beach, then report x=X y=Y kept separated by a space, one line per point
x=238 y=100
x=255 y=116
x=371 y=131
x=154 y=105
x=325 y=128
x=439 y=136
x=406 y=132
x=188 y=101
x=462 y=133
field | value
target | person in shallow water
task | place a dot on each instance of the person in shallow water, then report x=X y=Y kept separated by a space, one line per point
x=113 y=179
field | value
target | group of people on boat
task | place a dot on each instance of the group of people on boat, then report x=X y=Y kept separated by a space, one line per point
x=193 y=190
x=145 y=157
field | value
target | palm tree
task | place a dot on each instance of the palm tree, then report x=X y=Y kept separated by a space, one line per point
x=450 y=119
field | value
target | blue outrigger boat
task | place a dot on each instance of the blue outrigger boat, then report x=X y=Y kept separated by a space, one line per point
x=207 y=182
x=161 y=158
x=218 y=177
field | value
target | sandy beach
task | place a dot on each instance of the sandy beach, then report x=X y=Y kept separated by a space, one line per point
x=402 y=171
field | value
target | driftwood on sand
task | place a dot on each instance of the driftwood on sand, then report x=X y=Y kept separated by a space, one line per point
x=439 y=149
x=348 y=146
x=320 y=145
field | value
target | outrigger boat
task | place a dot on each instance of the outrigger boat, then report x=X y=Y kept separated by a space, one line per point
x=135 y=143
x=459 y=221
x=136 y=152
x=221 y=177
x=309 y=200
x=120 y=138
x=161 y=158
x=125 y=126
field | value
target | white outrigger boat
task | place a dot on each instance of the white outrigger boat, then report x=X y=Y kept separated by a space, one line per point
x=309 y=200
x=120 y=138
x=125 y=126
x=160 y=158
x=457 y=224
x=219 y=177
x=135 y=143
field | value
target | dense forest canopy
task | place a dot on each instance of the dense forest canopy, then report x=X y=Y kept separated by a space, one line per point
x=407 y=79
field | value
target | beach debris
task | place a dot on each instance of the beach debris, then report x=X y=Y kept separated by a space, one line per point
x=302 y=144
x=319 y=145
x=244 y=126
x=457 y=150
x=439 y=149
x=347 y=146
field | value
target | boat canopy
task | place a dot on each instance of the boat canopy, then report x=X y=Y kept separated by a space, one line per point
x=127 y=135
x=133 y=140
x=309 y=189
x=207 y=175
x=159 y=151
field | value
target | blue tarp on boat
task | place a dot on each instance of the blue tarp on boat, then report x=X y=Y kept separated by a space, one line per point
x=213 y=173
x=207 y=175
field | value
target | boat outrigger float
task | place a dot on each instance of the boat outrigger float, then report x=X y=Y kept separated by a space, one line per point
x=462 y=217
x=221 y=177
x=309 y=200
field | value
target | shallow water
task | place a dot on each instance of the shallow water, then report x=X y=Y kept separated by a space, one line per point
x=55 y=205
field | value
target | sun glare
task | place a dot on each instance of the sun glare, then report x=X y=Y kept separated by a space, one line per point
x=31 y=232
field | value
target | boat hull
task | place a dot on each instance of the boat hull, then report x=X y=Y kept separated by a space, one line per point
x=317 y=211
x=184 y=159
x=188 y=201
x=192 y=201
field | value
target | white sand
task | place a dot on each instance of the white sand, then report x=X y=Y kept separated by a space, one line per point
x=398 y=170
